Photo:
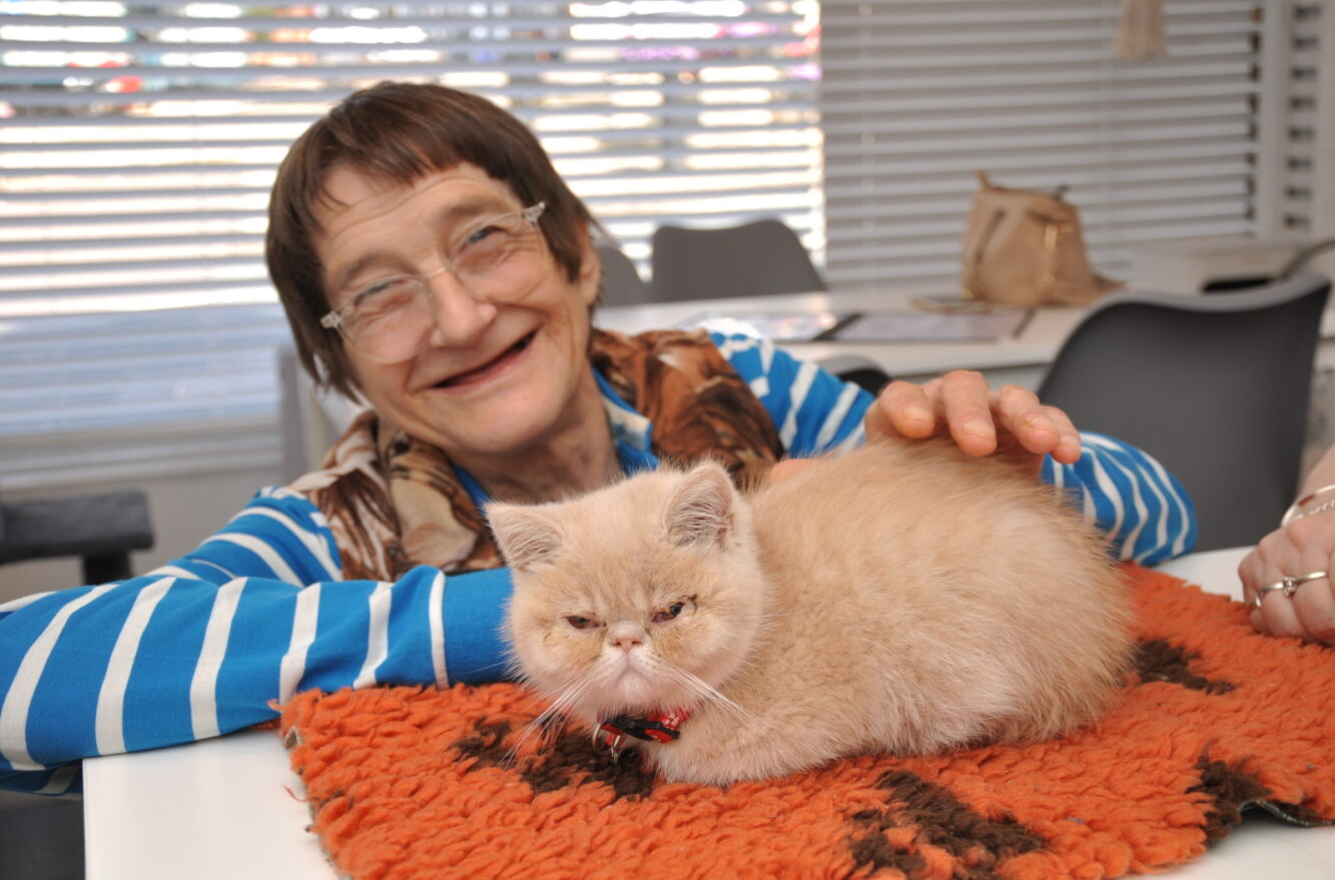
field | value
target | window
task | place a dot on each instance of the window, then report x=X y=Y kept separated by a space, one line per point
x=137 y=327
x=919 y=94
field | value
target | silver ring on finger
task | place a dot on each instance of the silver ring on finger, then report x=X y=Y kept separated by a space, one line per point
x=1289 y=585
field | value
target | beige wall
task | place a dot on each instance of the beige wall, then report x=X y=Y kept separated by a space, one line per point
x=183 y=510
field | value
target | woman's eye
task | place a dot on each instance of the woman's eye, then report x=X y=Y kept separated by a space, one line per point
x=478 y=235
x=663 y=615
x=581 y=622
x=387 y=293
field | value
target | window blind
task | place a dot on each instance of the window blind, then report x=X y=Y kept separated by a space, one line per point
x=1306 y=203
x=916 y=96
x=138 y=143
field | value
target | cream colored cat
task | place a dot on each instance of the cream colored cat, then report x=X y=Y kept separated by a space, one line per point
x=901 y=598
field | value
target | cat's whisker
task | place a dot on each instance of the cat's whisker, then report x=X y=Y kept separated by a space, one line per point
x=551 y=717
x=707 y=691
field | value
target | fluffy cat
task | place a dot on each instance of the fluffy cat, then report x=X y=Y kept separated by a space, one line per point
x=901 y=598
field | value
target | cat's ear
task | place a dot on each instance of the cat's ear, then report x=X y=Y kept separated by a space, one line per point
x=700 y=510
x=527 y=537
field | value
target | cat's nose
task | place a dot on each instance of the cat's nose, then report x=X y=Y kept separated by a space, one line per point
x=627 y=642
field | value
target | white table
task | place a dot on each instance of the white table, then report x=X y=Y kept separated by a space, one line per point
x=228 y=808
x=1021 y=359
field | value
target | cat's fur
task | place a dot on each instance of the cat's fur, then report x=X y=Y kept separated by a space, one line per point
x=901 y=598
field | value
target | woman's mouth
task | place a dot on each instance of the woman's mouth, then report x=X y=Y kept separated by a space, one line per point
x=490 y=368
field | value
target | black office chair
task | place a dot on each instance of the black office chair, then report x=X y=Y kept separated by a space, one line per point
x=755 y=259
x=1215 y=387
x=101 y=530
x=622 y=284
x=858 y=369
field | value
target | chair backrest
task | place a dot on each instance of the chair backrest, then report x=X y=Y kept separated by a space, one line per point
x=101 y=529
x=622 y=284
x=1215 y=387
x=760 y=258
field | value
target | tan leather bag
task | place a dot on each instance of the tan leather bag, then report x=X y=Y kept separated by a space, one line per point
x=1025 y=248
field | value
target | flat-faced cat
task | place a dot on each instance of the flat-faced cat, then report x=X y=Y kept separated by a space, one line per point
x=901 y=598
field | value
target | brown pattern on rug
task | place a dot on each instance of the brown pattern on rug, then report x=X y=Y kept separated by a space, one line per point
x=1157 y=660
x=973 y=844
x=570 y=760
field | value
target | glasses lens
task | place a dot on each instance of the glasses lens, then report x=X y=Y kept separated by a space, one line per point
x=387 y=321
x=500 y=259
x=497 y=260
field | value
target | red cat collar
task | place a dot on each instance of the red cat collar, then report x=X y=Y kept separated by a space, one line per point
x=614 y=733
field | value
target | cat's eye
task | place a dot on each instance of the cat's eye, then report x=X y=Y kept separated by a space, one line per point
x=663 y=615
x=581 y=622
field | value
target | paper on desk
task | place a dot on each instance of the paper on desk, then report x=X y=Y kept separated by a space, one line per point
x=930 y=326
x=794 y=326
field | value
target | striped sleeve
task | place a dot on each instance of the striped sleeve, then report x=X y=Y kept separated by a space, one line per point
x=814 y=411
x=210 y=642
x=1146 y=513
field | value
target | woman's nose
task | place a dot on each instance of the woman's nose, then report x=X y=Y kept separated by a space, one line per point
x=458 y=316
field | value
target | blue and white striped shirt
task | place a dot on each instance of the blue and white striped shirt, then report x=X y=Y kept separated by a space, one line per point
x=258 y=612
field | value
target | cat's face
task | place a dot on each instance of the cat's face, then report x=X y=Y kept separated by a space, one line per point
x=641 y=596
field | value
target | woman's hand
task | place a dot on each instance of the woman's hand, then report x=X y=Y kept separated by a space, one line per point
x=1305 y=546
x=980 y=420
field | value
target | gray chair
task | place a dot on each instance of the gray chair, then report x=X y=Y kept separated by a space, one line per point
x=622 y=284
x=859 y=369
x=755 y=259
x=101 y=530
x=1215 y=387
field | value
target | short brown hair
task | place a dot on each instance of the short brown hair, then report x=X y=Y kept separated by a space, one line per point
x=400 y=132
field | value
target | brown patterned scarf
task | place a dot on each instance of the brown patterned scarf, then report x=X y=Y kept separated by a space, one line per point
x=394 y=501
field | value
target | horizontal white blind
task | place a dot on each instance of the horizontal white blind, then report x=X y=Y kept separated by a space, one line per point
x=138 y=143
x=916 y=96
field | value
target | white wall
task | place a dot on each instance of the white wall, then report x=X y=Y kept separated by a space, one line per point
x=183 y=511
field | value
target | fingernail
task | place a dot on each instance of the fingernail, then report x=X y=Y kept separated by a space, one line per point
x=1042 y=423
x=979 y=428
x=917 y=414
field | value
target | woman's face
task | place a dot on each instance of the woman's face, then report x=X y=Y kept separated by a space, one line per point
x=491 y=379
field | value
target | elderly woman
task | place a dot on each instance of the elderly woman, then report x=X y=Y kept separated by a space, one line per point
x=430 y=259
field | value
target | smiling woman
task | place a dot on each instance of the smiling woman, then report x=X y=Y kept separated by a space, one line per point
x=486 y=380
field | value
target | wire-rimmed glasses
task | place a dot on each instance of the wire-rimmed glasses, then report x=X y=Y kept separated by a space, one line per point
x=389 y=319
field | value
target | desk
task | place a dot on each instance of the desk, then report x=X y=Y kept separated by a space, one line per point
x=228 y=808
x=1021 y=360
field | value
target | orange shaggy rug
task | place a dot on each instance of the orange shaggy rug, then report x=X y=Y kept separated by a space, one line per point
x=413 y=783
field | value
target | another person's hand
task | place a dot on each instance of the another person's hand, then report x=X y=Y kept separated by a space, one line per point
x=979 y=419
x=1306 y=609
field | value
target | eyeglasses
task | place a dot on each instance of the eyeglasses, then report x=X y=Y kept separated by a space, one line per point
x=389 y=319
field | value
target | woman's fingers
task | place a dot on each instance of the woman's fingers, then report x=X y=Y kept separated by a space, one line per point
x=1304 y=610
x=904 y=408
x=1314 y=606
x=967 y=401
x=978 y=419
x=1067 y=450
x=1279 y=616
